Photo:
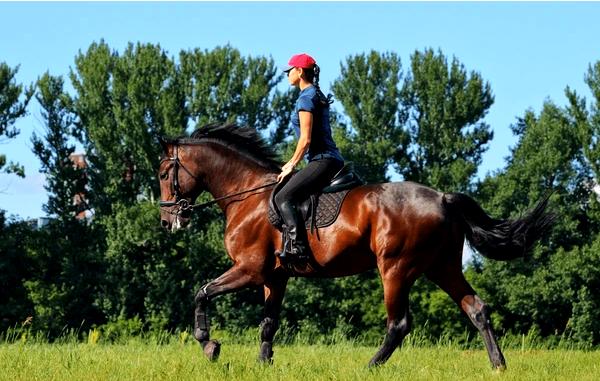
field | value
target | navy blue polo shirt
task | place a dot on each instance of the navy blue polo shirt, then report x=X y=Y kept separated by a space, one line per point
x=321 y=141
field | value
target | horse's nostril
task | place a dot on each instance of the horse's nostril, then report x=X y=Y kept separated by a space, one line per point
x=164 y=223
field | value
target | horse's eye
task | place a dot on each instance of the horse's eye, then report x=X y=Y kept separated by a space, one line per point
x=164 y=175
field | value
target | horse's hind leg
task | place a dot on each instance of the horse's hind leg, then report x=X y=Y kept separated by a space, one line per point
x=274 y=292
x=454 y=283
x=396 y=286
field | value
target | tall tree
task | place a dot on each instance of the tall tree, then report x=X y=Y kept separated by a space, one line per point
x=548 y=157
x=579 y=112
x=549 y=291
x=65 y=272
x=446 y=107
x=368 y=89
x=15 y=306
x=11 y=109
x=222 y=86
x=65 y=180
x=124 y=104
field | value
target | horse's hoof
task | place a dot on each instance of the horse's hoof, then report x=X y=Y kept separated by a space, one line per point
x=266 y=354
x=265 y=360
x=212 y=350
x=499 y=368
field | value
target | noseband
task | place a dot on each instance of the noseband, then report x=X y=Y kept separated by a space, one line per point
x=182 y=203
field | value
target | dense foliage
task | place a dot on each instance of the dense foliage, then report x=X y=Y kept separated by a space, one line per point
x=121 y=271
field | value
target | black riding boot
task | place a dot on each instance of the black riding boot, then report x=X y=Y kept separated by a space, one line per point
x=295 y=245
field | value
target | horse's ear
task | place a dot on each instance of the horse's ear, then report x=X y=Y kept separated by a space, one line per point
x=163 y=144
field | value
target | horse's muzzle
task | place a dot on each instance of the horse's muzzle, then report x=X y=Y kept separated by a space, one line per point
x=178 y=222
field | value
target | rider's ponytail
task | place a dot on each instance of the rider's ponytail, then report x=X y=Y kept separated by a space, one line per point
x=312 y=75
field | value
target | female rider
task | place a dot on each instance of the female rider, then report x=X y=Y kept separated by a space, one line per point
x=311 y=124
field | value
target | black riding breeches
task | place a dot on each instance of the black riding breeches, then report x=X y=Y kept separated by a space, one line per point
x=309 y=180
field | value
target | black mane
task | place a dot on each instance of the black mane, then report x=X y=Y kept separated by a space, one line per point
x=242 y=139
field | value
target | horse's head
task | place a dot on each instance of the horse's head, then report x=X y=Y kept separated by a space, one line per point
x=215 y=158
x=179 y=185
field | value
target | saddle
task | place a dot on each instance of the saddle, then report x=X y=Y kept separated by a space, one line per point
x=322 y=209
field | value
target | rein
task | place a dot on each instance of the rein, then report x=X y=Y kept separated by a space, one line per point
x=185 y=205
x=182 y=203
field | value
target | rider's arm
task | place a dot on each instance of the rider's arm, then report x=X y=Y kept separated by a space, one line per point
x=306 y=121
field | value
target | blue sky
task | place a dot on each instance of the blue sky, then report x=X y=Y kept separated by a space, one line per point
x=529 y=52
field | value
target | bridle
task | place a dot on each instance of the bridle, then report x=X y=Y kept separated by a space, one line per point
x=182 y=203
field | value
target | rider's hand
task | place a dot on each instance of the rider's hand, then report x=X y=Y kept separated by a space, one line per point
x=285 y=171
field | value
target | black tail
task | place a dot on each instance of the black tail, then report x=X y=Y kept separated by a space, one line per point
x=501 y=240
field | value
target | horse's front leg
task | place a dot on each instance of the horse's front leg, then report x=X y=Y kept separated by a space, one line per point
x=232 y=280
x=274 y=292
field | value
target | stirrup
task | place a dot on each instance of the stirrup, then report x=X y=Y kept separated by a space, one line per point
x=300 y=255
x=290 y=253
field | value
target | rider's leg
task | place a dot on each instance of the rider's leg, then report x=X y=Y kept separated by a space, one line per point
x=311 y=179
x=297 y=245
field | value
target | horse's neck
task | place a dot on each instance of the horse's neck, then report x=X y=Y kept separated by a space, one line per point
x=229 y=173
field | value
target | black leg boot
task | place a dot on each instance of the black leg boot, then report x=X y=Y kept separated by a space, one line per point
x=295 y=245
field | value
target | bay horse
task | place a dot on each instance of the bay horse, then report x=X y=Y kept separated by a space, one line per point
x=403 y=229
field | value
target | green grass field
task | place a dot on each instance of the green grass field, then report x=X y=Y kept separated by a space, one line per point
x=184 y=361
